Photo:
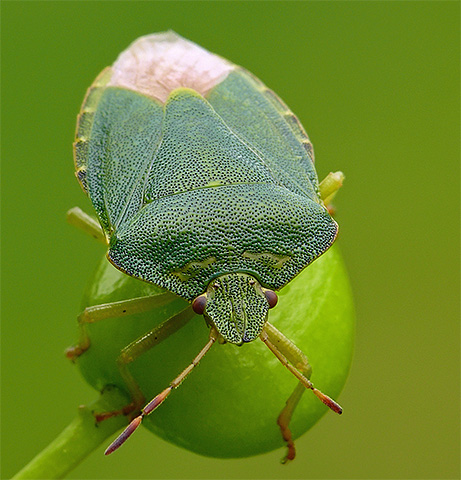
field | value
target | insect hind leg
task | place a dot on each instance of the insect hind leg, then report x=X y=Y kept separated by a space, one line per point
x=329 y=186
x=78 y=218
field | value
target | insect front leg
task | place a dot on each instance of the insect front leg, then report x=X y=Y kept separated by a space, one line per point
x=160 y=398
x=112 y=310
x=78 y=218
x=301 y=363
x=295 y=361
x=134 y=350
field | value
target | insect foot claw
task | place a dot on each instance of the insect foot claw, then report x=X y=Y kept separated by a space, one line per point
x=73 y=352
x=283 y=421
x=290 y=455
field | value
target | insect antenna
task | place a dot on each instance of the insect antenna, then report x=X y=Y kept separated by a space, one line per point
x=158 y=400
x=329 y=402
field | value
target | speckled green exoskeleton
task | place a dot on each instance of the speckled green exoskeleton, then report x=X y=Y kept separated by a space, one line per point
x=203 y=182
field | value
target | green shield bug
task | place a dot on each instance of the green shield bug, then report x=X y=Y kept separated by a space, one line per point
x=203 y=182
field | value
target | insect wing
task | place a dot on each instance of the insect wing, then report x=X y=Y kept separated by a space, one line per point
x=258 y=116
x=119 y=144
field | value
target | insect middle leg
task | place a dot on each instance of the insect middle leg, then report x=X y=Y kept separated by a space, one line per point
x=90 y=225
x=135 y=349
x=112 y=310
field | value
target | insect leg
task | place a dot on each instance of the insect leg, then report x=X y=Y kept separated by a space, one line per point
x=78 y=218
x=156 y=401
x=284 y=419
x=330 y=185
x=287 y=348
x=295 y=361
x=112 y=310
x=300 y=361
x=135 y=349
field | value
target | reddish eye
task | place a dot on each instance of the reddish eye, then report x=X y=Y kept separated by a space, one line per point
x=271 y=298
x=198 y=305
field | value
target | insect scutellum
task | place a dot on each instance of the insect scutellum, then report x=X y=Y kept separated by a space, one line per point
x=236 y=305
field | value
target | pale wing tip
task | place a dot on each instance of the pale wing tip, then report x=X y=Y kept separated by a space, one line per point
x=169 y=36
x=158 y=63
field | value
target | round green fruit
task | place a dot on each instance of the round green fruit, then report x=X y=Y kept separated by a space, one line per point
x=229 y=404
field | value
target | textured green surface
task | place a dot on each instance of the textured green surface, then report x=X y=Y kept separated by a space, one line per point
x=262 y=120
x=124 y=137
x=234 y=225
x=229 y=404
x=237 y=306
x=194 y=189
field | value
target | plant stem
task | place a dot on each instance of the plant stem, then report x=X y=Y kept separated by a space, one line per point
x=78 y=440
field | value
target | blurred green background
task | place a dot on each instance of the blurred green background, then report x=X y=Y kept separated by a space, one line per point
x=376 y=85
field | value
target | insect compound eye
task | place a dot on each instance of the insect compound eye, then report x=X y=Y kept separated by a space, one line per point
x=271 y=298
x=198 y=305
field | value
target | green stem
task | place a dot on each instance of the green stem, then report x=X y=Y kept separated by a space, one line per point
x=78 y=440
